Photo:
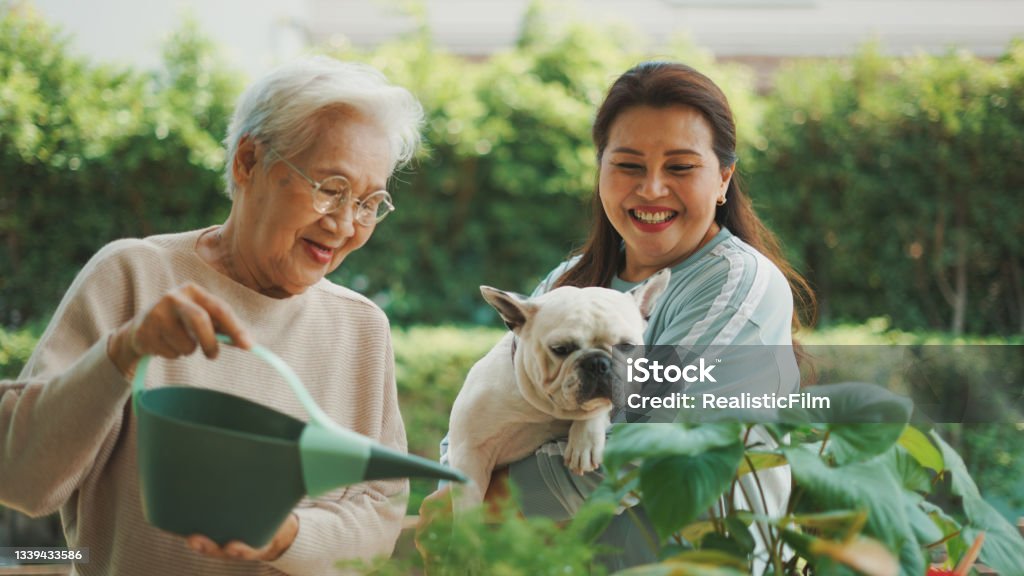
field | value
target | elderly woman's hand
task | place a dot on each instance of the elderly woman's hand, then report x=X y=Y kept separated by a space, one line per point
x=280 y=543
x=181 y=320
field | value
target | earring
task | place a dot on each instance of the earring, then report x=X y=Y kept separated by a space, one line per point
x=721 y=201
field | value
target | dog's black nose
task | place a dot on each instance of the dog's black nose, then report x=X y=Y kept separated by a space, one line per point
x=596 y=365
x=597 y=378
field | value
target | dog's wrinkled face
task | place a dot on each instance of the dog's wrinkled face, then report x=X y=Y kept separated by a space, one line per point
x=566 y=348
x=564 y=358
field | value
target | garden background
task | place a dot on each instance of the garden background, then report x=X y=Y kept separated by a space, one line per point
x=893 y=183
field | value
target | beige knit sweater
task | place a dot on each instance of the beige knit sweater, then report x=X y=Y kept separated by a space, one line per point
x=67 y=434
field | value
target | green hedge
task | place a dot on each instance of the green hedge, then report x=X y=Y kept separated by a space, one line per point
x=891 y=181
x=431 y=364
x=91 y=153
x=894 y=185
x=15 y=349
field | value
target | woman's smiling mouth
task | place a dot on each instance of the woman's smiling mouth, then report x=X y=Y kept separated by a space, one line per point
x=319 y=252
x=652 y=218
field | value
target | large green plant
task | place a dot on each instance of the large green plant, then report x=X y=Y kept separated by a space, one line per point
x=859 y=502
x=866 y=500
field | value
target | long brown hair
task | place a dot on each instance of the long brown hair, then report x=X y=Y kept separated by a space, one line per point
x=660 y=85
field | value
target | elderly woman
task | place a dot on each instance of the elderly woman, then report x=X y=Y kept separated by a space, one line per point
x=310 y=150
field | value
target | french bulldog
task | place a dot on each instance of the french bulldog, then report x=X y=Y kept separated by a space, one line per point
x=552 y=374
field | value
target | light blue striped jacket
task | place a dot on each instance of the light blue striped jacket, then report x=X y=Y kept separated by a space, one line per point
x=727 y=294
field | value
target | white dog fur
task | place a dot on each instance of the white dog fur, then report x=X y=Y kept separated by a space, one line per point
x=551 y=375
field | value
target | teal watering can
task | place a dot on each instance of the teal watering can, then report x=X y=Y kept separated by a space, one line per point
x=216 y=464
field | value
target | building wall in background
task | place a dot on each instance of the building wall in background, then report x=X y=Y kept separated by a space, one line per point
x=254 y=35
x=257 y=34
x=729 y=28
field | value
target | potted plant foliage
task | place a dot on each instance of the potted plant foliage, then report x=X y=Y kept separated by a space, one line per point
x=862 y=500
x=865 y=500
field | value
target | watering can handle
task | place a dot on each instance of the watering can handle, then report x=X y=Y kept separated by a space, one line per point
x=315 y=413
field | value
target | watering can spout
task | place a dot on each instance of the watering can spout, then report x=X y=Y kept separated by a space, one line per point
x=333 y=456
x=388 y=463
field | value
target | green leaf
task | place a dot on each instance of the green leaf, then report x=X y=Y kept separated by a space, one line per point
x=859 y=442
x=834 y=557
x=740 y=531
x=681 y=568
x=676 y=489
x=925 y=530
x=599 y=510
x=760 y=461
x=912 y=560
x=949 y=527
x=946 y=523
x=696 y=531
x=798 y=541
x=693 y=563
x=592 y=520
x=1004 y=548
x=831 y=524
x=864 y=420
x=918 y=445
x=710 y=557
x=725 y=544
x=633 y=441
x=853 y=403
x=868 y=486
x=905 y=468
x=803 y=545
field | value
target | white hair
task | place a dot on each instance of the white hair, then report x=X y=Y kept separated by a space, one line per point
x=279 y=109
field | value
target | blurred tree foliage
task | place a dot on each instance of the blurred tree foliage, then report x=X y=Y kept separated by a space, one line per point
x=497 y=197
x=92 y=153
x=891 y=182
x=502 y=193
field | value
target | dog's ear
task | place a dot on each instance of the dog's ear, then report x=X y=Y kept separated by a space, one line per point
x=647 y=294
x=515 y=309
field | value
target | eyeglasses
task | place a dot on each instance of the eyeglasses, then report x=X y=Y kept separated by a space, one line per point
x=333 y=192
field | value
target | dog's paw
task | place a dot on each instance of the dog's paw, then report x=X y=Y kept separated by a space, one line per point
x=582 y=460
x=585 y=449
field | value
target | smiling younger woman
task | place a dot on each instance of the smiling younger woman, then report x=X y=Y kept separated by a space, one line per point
x=668 y=197
x=659 y=184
